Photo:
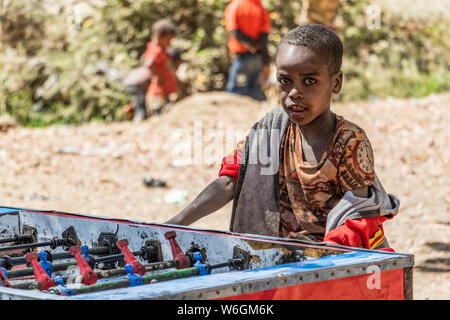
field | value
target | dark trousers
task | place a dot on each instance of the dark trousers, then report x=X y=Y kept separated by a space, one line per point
x=245 y=76
x=138 y=94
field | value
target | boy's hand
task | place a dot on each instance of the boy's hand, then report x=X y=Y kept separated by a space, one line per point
x=299 y=236
x=250 y=48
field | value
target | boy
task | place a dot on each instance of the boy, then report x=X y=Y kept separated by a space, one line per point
x=137 y=81
x=303 y=171
x=163 y=83
x=248 y=24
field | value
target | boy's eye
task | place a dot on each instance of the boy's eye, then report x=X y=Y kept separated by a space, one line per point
x=309 y=81
x=283 y=81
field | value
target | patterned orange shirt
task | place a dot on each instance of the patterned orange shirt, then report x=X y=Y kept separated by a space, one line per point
x=308 y=193
x=164 y=81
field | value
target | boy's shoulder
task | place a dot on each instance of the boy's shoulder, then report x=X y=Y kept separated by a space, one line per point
x=274 y=116
x=352 y=142
x=347 y=129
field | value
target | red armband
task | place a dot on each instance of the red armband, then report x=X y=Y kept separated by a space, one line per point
x=227 y=169
x=232 y=163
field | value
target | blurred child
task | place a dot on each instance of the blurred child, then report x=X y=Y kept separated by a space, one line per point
x=163 y=82
x=137 y=82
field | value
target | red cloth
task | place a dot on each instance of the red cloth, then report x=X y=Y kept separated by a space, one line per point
x=249 y=17
x=365 y=233
x=232 y=162
x=345 y=288
x=163 y=81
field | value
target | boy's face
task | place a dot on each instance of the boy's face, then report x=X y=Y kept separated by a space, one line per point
x=165 y=40
x=304 y=84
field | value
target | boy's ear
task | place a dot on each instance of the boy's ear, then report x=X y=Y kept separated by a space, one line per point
x=337 y=82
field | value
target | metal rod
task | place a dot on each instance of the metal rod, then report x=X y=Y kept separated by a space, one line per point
x=63 y=266
x=112 y=258
x=121 y=271
x=220 y=265
x=17 y=238
x=52 y=243
x=230 y=263
x=104 y=273
x=148 y=279
x=29 y=271
x=116 y=257
x=145 y=280
x=17 y=261
x=92 y=251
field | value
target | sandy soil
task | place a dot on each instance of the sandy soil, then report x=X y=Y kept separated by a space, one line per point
x=98 y=169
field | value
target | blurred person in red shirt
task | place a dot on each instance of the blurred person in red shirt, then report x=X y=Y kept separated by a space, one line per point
x=248 y=24
x=138 y=80
x=163 y=82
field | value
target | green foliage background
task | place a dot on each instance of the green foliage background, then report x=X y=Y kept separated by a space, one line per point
x=54 y=69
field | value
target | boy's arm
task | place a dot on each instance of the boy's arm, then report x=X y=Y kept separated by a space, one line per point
x=215 y=195
x=248 y=42
x=212 y=198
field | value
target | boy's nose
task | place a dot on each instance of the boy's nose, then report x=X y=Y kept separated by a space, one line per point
x=296 y=93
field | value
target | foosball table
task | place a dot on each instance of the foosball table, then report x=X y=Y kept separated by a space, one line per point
x=55 y=255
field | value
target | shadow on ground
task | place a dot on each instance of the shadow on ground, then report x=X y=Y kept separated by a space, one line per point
x=436 y=264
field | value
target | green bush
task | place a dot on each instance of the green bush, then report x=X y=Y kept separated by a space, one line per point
x=399 y=59
x=50 y=72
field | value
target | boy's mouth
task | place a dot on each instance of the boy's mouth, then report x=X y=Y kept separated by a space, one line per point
x=296 y=110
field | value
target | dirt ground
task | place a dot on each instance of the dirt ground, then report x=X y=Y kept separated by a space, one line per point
x=98 y=169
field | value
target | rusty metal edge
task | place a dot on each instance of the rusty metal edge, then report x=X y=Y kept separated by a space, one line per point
x=408 y=283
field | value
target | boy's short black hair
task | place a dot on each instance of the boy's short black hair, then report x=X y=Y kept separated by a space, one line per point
x=319 y=39
x=163 y=27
